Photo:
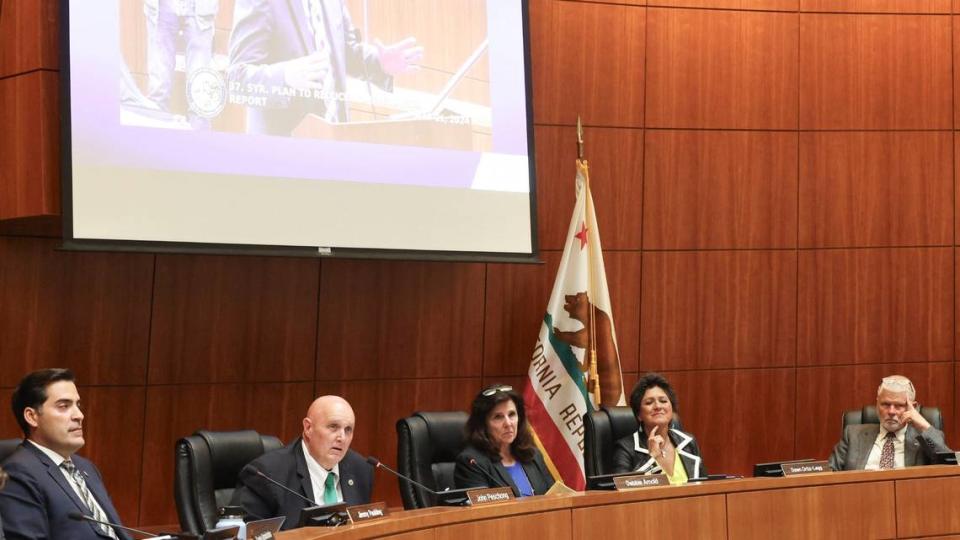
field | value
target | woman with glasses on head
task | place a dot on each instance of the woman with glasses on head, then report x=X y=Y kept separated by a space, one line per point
x=500 y=450
x=659 y=446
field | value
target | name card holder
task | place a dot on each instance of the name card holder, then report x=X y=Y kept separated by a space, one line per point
x=368 y=512
x=489 y=495
x=808 y=467
x=637 y=481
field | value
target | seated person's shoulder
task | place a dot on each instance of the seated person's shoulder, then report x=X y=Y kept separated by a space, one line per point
x=470 y=452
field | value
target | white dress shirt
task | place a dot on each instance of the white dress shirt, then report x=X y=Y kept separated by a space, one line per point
x=873 y=462
x=318 y=476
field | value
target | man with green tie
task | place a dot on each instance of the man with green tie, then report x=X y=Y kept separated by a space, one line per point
x=318 y=466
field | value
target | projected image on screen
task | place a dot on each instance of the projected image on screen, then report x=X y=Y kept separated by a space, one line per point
x=307 y=68
x=383 y=124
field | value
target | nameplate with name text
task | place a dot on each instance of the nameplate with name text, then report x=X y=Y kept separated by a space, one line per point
x=805 y=467
x=489 y=495
x=368 y=512
x=637 y=481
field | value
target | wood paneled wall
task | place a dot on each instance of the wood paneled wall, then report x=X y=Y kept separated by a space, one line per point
x=776 y=187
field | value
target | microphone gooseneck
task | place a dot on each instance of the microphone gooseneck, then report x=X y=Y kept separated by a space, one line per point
x=493 y=481
x=377 y=464
x=281 y=486
x=77 y=516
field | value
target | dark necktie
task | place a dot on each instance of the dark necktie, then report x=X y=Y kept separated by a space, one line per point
x=886 y=454
x=87 y=497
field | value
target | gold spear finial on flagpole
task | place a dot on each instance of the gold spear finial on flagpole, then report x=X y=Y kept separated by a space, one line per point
x=579 y=139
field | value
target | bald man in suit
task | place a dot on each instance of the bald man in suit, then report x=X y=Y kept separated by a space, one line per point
x=904 y=438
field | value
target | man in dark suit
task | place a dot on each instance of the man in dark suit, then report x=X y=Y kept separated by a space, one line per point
x=903 y=438
x=319 y=466
x=48 y=481
x=292 y=57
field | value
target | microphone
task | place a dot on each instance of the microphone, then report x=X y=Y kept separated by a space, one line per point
x=281 y=486
x=493 y=482
x=77 y=516
x=377 y=464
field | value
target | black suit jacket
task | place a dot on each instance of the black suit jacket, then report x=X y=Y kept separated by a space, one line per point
x=466 y=475
x=853 y=450
x=630 y=454
x=287 y=465
x=267 y=33
x=38 y=498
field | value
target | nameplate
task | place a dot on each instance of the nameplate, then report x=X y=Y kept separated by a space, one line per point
x=368 y=512
x=806 y=467
x=637 y=481
x=489 y=495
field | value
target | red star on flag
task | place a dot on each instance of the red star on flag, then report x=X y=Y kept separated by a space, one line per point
x=582 y=234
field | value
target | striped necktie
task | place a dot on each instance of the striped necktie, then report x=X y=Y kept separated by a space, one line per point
x=87 y=497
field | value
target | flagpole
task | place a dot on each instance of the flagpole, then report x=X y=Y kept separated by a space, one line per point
x=593 y=376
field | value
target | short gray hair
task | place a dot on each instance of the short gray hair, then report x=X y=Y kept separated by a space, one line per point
x=898 y=384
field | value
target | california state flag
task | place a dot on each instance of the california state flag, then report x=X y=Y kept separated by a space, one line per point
x=576 y=365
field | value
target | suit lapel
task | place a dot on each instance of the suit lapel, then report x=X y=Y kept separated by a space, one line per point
x=306 y=484
x=865 y=440
x=910 y=447
x=504 y=476
x=299 y=18
x=348 y=483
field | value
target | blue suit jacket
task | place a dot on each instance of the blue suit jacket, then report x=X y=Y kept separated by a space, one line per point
x=38 y=498
x=287 y=465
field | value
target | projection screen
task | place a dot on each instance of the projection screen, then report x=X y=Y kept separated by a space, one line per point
x=381 y=127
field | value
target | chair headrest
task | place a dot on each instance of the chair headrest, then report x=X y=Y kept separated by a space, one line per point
x=445 y=431
x=230 y=451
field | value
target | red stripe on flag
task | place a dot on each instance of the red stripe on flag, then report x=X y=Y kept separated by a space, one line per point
x=553 y=441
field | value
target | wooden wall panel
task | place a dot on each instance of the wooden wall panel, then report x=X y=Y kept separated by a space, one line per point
x=176 y=411
x=28 y=36
x=230 y=319
x=721 y=69
x=877 y=6
x=86 y=311
x=766 y=5
x=616 y=181
x=708 y=310
x=818 y=414
x=739 y=417
x=114 y=427
x=758 y=514
x=378 y=405
x=588 y=60
x=875 y=305
x=876 y=189
x=703 y=517
x=875 y=72
x=30 y=147
x=517 y=299
x=393 y=319
x=720 y=189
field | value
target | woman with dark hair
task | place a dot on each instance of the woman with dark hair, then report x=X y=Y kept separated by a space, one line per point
x=500 y=450
x=659 y=446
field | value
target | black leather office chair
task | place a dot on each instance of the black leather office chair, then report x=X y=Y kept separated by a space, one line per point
x=602 y=429
x=427 y=445
x=7 y=447
x=868 y=415
x=206 y=469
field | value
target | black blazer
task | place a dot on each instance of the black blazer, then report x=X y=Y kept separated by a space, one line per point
x=37 y=500
x=467 y=475
x=630 y=454
x=261 y=499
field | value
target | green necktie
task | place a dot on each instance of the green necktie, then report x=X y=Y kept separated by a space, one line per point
x=330 y=489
